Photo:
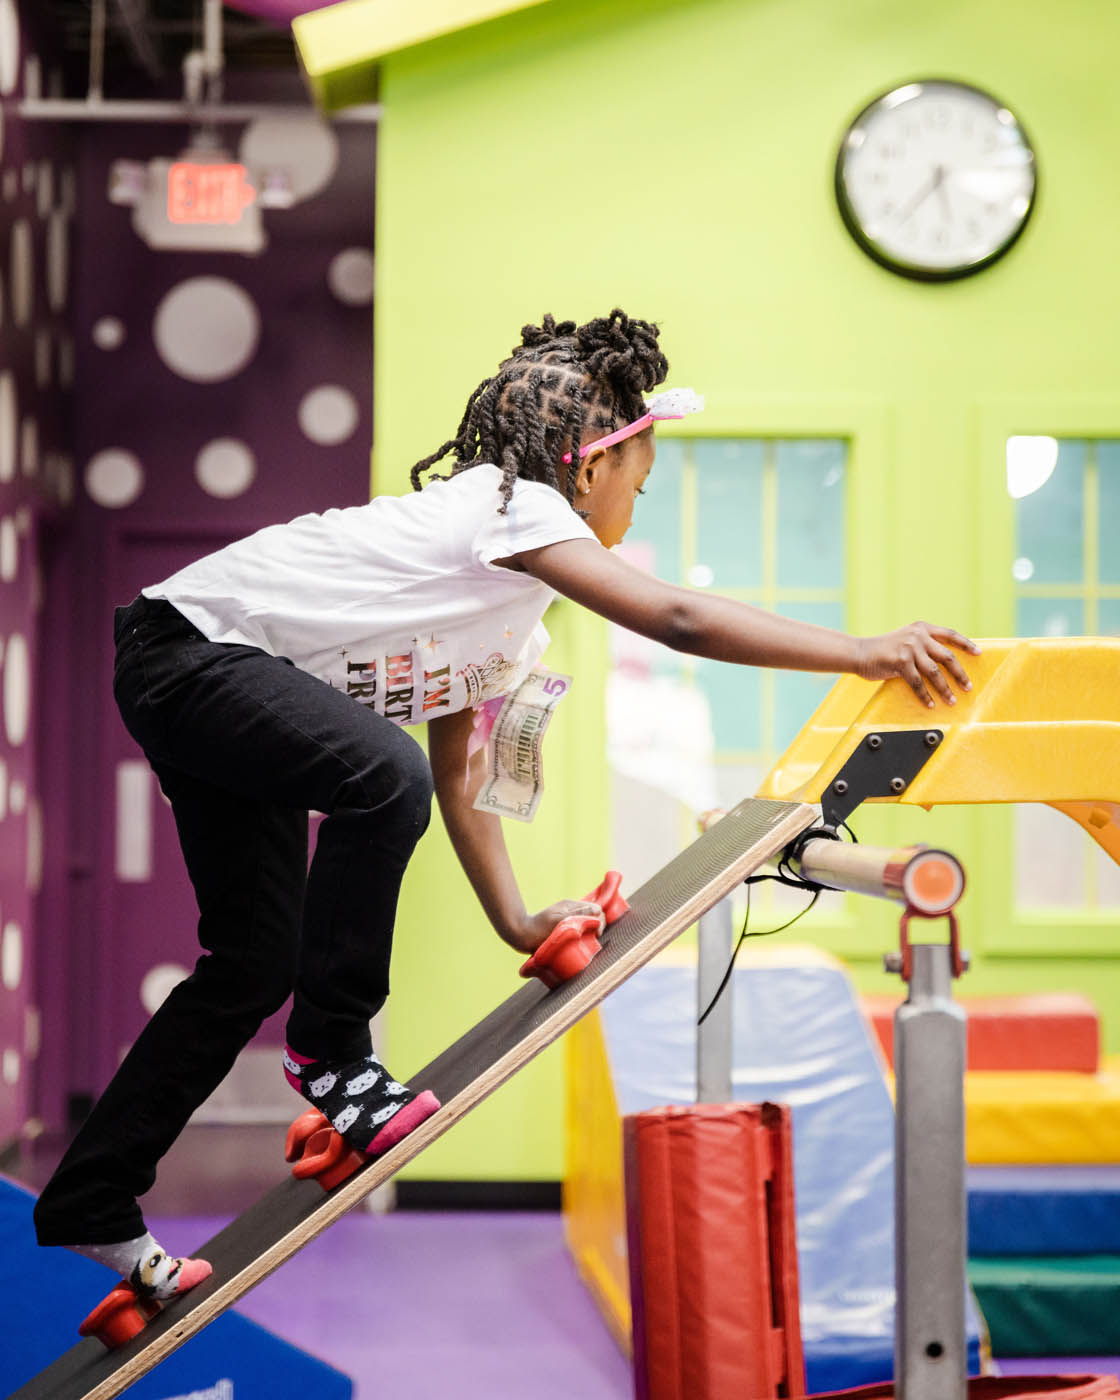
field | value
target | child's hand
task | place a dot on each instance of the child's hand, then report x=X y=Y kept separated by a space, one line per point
x=535 y=928
x=917 y=654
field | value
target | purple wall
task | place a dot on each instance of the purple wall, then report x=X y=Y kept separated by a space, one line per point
x=213 y=393
x=37 y=202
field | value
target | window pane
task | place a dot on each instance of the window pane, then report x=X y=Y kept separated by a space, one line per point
x=1049 y=522
x=654 y=540
x=729 y=511
x=811 y=493
x=1108 y=479
x=1049 y=859
x=798 y=693
x=1049 y=617
x=1108 y=617
x=735 y=696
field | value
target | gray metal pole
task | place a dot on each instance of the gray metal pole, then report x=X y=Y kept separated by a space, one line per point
x=713 y=1038
x=931 y=1361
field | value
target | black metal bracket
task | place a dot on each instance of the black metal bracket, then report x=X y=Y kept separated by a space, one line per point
x=883 y=765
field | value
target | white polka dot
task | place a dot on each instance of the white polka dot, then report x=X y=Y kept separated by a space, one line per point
x=3 y=789
x=225 y=468
x=29 y=447
x=58 y=260
x=9 y=426
x=43 y=358
x=34 y=846
x=305 y=147
x=206 y=329
x=9 y=46
x=17 y=697
x=17 y=795
x=32 y=78
x=11 y=955
x=65 y=361
x=328 y=414
x=11 y=1066
x=9 y=549
x=21 y=276
x=46 y=188
x=158 y=983
x=114 y=478
x=108 y=333
x=350 y=276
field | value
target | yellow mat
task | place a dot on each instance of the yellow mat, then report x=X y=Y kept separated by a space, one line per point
x=1019 y=1117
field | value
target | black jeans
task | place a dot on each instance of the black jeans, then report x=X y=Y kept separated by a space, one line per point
x=244 y=745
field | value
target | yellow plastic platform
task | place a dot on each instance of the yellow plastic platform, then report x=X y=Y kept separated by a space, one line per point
x=1041 y=724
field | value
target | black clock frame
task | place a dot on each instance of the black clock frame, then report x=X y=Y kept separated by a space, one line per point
x=898 y=265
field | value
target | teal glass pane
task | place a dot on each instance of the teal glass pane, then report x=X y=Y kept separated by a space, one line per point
x=1049 y=522
x=1049 y=617
x=654 y=539
x=798 y=693
x=735 y=696
x=1108 y=491
x=729 y=511
x=1108 y=617
x=811 y=513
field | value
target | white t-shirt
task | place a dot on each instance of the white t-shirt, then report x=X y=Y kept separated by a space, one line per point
x=397 y=603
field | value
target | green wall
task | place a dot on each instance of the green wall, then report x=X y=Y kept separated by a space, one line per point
x=676 y=159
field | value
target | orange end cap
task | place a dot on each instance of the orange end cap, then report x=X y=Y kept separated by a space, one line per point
x=933 y=882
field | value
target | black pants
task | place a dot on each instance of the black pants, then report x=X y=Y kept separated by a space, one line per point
x=244 y=745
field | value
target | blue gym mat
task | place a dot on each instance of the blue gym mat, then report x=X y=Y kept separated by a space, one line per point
x=1043 y=1210
x=45 y=1294
x=801 y=1039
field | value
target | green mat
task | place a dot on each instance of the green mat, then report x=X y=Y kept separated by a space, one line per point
x=1067 y=1306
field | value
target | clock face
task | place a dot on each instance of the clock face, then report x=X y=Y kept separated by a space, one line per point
x=935 y=179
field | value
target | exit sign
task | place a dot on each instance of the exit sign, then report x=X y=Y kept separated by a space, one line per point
x=207 y=194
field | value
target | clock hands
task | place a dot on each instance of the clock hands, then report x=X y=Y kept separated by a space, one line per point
x=934 y=183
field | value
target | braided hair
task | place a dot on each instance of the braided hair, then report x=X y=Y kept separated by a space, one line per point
x=560 y=381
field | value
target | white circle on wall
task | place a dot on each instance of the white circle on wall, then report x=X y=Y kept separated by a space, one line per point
x=108 y=333
x=29 y=446
x=328 y=414
x=9 y=425
x=9 y=549
x=350 y=276
x=114 y=478
x=206 y=329
x=17 y=697
x=11 y=955
x=58 y=260
x=46 y=188
x=11 y=1066
x=43 y=358
x=9 y=46
x=17 y=795
x=225 y=468
x=158 y=983
x=305 y=147
x=21 y=277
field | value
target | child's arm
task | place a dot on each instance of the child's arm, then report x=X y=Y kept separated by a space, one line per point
x=705 y=624
x=478 y=840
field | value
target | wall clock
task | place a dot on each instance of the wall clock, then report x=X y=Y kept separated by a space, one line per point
x=935 y=179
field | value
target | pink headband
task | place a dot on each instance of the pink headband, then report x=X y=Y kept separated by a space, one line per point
x=672 y=403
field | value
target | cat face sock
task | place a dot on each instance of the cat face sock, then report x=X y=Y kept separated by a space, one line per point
x=146 y=1265
x=360 y=1099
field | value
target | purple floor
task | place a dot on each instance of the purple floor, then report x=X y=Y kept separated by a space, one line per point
x=478 y=1306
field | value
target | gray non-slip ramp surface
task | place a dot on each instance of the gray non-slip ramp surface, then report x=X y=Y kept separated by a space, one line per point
x=294 y=1212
